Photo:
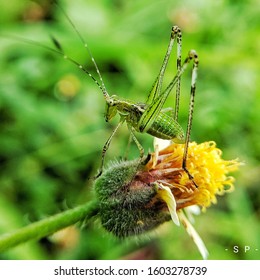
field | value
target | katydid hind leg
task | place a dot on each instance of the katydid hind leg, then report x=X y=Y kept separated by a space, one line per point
x=194 y=56
x=155 y=108
x=154 y=102
x=159 y=101
x=178 y=84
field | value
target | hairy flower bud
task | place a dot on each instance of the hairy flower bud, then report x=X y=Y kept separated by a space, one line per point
x=129 y=205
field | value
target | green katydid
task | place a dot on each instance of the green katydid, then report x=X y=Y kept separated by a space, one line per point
x=148 y=117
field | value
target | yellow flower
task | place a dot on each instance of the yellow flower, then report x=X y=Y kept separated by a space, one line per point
x=137 y=196
x=179 y=192
x=204 y=162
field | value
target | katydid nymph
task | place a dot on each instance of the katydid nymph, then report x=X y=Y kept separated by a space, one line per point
x=148 y=117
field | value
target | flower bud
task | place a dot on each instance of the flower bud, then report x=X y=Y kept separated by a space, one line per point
x=129 y=201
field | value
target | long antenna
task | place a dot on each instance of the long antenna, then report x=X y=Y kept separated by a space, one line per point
x=103 y=87
x=60 y=52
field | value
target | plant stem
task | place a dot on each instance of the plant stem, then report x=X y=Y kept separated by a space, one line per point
x=48 y=226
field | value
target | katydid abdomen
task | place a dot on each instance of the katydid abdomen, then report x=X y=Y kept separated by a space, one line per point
x=165 y=127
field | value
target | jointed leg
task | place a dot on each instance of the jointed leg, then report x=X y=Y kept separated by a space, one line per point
x=155 y=107
x=105 y=148
x=193 y=55
x=178 y=84
x=139 y=146
x=128 y=147
x=157 y=86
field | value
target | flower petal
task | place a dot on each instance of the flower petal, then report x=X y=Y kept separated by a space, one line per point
x=190 y=211
x=167 y=196
x=160 y=143
x=194 y=235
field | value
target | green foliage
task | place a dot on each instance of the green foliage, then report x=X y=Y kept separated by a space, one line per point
x=52 y=128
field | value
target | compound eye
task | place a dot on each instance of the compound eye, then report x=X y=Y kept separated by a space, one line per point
x=111 y=102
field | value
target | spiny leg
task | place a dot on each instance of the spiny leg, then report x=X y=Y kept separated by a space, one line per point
x=178 y=83
x=158 y=103
x=157 y=86
x=105 y=148
x=193 y=55
x=152 y=111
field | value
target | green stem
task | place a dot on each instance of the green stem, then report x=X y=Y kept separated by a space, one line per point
x=48 y=226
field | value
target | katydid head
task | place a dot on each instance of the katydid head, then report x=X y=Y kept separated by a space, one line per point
x=111 y=107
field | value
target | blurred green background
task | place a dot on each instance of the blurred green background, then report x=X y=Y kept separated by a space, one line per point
x=52 y=126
